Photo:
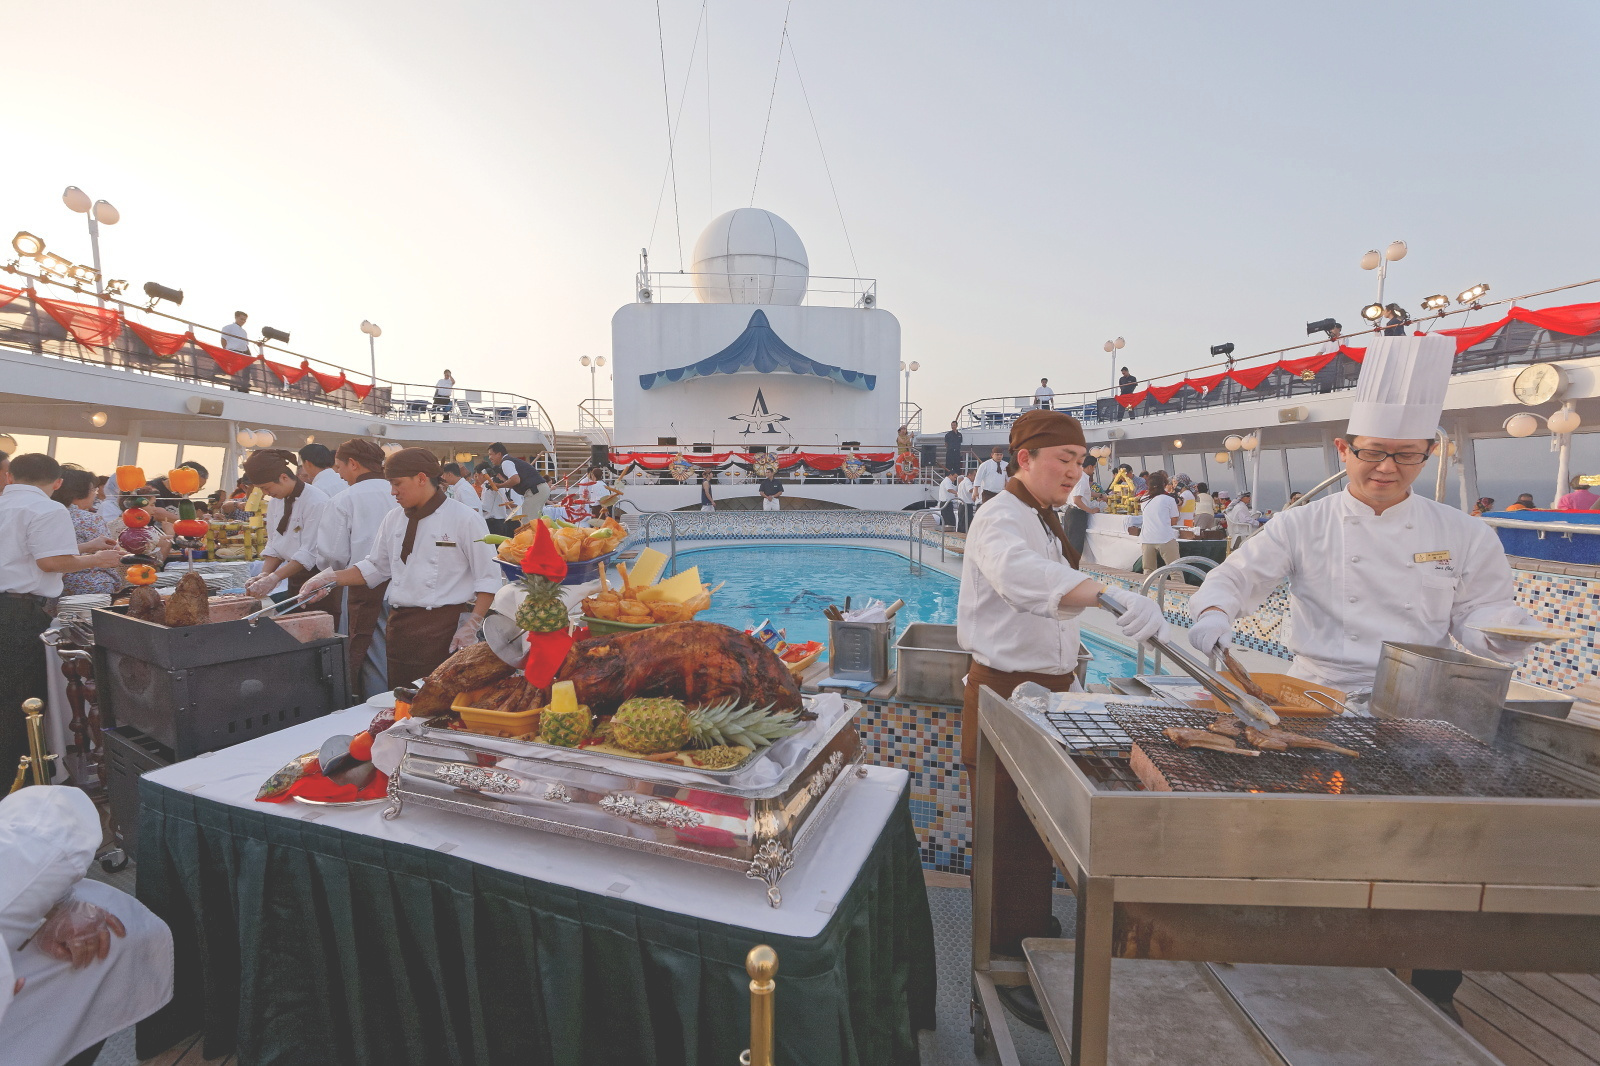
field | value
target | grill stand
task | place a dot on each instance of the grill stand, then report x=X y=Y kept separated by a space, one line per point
x=1283 y=916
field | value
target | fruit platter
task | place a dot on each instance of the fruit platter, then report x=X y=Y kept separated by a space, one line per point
x=583 y=548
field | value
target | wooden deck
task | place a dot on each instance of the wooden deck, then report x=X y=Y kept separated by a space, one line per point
x=1533 y=1019
x=188 y=1052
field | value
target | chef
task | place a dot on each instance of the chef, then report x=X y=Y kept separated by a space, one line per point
x=293 y=510
x=1021 y=594
x=1376 y=561
x=441 y=575
x=345 y=533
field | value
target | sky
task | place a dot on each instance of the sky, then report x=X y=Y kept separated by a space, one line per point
x=1024 y=180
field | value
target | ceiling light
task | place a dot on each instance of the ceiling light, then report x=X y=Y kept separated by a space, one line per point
x=1250 y=443
x=245 y=438
x=98 y=419
x=1395 y=252
x=27 y=245
x=1233 y=442
x=463 y=457
x=1221 y=457
x=8 y=444
x=1371 y=259
x=1522 y=424
x=1372 y=312
x=1435 y=302
x=264 y=438
x=1178 y=443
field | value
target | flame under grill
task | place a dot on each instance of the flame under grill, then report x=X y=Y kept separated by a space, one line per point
x=1399 y=757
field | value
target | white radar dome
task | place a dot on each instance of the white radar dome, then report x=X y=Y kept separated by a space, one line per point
x=750 y=256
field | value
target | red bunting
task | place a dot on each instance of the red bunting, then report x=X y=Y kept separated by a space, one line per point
x=1252 y=377
x=1312 y=363
x=96 y=327
x=7 y=294
x=231 y=362
x=160 y=344
x=1574 y=320
x=1206 y=384
x=1467 y=336
x=329 y=382
x=786 y=460
x=286 y=373
x=1163 y=393
x=1133 y=399
x=360 y=390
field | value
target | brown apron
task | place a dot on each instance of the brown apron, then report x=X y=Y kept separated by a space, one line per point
x=366 y=605
x=1023 y=869
x=418 y=640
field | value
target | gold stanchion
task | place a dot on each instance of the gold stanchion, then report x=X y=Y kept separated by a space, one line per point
x=37 y=759
x=762 y=966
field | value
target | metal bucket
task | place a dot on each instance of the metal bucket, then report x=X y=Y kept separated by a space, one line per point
x=932 y=664
x=1442 y=685
x=859 y=651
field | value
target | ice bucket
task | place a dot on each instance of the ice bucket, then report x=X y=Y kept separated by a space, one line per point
x=1442 y=685
x=859 y=651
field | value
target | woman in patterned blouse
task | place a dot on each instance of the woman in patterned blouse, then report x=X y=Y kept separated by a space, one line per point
x=77 y=492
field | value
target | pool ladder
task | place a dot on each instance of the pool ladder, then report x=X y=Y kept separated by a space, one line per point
x=914 y=541
x=1154 y=585
x=672 y=529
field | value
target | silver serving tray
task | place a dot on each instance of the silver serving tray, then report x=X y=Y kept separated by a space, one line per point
x=629 y=802
x=621 y=763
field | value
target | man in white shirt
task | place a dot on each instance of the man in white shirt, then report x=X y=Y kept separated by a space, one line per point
x=458 y=487
x=1043 y=394
x=991 y=476
x=316 y=468
x=235 y=339
x=966 y=501
x=441 y=575
x=527 y=488
x=441 y=395
x=37 y=546
x=1021 y=594
x=946 y=499
x=293 y=510
x=345 y=533
x=1080 y=505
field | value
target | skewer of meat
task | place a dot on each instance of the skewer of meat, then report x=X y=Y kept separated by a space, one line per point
x=1201 y=738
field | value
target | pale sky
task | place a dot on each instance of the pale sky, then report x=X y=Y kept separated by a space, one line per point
x=1023 y=180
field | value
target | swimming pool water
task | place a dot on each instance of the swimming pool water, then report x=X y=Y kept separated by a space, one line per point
x=790 y=584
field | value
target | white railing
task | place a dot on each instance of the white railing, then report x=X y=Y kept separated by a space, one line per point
x=596 y=415
x=812 y=290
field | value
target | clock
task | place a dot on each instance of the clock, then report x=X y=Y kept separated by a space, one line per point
x=1539 y=383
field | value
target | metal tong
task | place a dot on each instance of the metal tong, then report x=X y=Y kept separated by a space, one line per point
x=295 y=601
x=1247 y=708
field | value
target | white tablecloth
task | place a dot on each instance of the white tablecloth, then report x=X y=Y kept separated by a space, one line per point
x=823 y=872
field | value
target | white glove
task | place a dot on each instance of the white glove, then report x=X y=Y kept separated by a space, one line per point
x=261 y=586
x=323 y=580
x=1211 y=632
x=467 y=631
x=1491 y=646
x=78 y=932
x=1141 y=616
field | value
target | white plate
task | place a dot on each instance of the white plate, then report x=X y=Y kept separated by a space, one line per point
x=383 y=701
x=1527 y=633
x=331 y=803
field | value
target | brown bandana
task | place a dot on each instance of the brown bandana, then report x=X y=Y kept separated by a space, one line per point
x=362 y=451
x=288 y=504
x=1045 y=429
x=1047 y=515
x=414 y=517
x=409 y=462
x=264 y=466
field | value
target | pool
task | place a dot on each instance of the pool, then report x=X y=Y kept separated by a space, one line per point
x=790 y=584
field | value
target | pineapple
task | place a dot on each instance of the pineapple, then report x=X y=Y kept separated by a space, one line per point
x=542 y=610
x=720 y=757
x=652 y=726
x=565 y=722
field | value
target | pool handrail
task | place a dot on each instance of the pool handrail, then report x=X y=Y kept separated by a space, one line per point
x=1154 y=585
x=672 y=528
x=914 y=541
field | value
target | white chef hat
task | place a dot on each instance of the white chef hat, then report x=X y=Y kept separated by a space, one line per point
x=1400 y=393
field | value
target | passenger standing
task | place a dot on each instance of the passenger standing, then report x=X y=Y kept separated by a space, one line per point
x=952 y=450
x=441 y=395
x=1044 y=394
x=966 y=502
x=1158 y=524
x=235 y=339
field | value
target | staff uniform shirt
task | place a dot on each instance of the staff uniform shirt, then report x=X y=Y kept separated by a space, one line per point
x=947 y=491
x=1009 y=615
x=1418 y=573
x=109 y=509
x=991 y=475
x=1043 y=394
x=235 y=339
x=329 y=482
x=1155 y=524
x=447 y=566
x=771 y=487
x=301 y=534
x=347 y=526
x=463 y=491
x=965 y=493
x=32 y=527
x=493 y=502
x=1083 y=496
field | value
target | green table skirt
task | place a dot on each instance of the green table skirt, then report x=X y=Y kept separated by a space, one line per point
x=299 y=944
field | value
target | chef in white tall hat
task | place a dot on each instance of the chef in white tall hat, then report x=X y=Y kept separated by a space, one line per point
x=1376 y=561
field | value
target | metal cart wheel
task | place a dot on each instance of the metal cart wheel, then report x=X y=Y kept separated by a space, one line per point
x=114 y=861
x=979 y=1028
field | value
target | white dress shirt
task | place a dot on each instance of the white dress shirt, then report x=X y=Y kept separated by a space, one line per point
x=32 y=527
x=301 y=532
x=329 y=482
x=1083 y=496
x=1014 y=574
x=991 y=475
x=347 y=526
x=1044 y=392
x=463 y=491
x=448 y=564
x=947 y=490
x=235 y=339
x=965 y=492
x=1419 y=573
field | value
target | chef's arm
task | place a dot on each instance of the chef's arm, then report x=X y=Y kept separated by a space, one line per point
x=480 y=604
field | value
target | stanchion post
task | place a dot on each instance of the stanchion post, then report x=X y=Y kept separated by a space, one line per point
x=762 y=966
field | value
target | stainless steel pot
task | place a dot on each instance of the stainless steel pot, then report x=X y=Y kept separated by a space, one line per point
x=1441 y=684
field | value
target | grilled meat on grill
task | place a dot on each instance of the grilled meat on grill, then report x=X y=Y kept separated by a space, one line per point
x=1201 y=738
x=1300 y=740
x=1271 y=740
x=1227 y=727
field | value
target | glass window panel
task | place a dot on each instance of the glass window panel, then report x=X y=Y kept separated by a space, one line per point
x=156 y=458
x=1305 y=469
x=1269 y=494
x=28 y=443
x=1509 y=466
x=212 y=458
x=94 y=454
x=1189 y=463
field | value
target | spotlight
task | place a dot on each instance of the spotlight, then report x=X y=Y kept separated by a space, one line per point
x=27 y=245
x=1436 y=302
x=1321 y=325
x=161 y=292
x=1471 y=295
x=116 y=287
x=270 y=334
x=98 y=419
x=1372 y=312
x=82 y=273
x=51 y=263
x=1222 y=349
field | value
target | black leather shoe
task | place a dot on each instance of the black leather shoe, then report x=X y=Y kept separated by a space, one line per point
x=1020 y=1002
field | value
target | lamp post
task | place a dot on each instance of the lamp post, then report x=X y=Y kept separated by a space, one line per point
x=98 y=211
x=1111 y=348
x=593 y=365
x=1562 y=423
x=373 y=332
x=906 y=369
x=1379 y=261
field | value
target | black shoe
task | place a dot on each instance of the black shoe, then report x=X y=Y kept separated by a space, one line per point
x=1020 y=1002
x=1055 y=928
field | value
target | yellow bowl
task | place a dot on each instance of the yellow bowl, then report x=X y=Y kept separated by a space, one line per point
x=495 y=723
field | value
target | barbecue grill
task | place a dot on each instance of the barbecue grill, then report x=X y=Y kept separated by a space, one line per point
x=1431 y=850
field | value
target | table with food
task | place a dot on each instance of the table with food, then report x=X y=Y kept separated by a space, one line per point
x=560 y=845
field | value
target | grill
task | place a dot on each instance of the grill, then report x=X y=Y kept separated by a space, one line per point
x=1085 y=732
x=1399 y=757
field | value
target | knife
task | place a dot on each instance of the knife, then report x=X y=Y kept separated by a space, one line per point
x=1245 y=707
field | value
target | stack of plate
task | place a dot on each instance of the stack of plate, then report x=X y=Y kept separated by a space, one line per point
x=77 y=608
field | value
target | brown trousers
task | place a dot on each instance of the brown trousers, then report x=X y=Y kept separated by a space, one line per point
x=418 y=640
x=1023 y=868
x=365 y=607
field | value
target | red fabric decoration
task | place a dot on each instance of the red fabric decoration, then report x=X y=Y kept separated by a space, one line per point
x=360 y=390
x=1467 y=336
x=1206 y=384
x=313 y=786
x=1353 y=354
x=1133 y=399
x=546 y=651
x=1576 y=320
x=1163 y=393
x=96 y=327
x=286 y=374
x=329 y=382
x=1313 y=363
x=1252 y=377
x=230 y=362
x=542 y=558
x=160 y=344
x=7 y=294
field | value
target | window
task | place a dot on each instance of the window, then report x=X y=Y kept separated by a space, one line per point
x=28 y=442
x=95 y=454
x=212 y=458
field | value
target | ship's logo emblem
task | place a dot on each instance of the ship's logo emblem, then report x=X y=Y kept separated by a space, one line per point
x=760 y=419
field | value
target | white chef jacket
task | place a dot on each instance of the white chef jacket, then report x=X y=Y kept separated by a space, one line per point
x=347 y=526
x=464 y=492
x=1009 y=615
x=329 y=482
x=32 y=527
x=991 y=475
x=302 y=530
x=1418 y=573
x=947 y=491
x=447 y=566
x=965 y=491
x=494 y=503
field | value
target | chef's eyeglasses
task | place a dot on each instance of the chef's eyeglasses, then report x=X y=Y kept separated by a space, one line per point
x=1378 y=455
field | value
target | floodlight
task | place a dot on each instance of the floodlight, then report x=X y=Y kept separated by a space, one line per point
x=51 y=263
x=116 y=287
x=82 y=272
x=1435 y=302
x=1222 y=349
x=1471 y=295
x=27 y=245
x=1372 y=312
x=270 y=334
x=157 y=291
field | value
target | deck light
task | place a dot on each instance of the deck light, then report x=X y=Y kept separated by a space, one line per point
x=76 y=199
x=1471 y=295
x=264 y=438
x=157 y=291
x=1435 y=302
x=270 y=334
x=371 y=329
x=98 y=419
x=105 y=214
x=1371 y=259
x=463 y=457
x=1522 y=424
x=82 y=273
x=8 y=444
x=1321 y=325
x=1372 y=312
x=244 y=438
x=27 y=245
x=1233 y=442
x=116 y=287
x=1222 y=349
x=1178 y=442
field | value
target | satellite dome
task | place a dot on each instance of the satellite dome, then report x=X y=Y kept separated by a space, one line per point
x=750 y=256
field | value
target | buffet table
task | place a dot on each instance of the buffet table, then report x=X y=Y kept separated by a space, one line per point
x=312 y=935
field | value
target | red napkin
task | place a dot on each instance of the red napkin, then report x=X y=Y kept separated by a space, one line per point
x=313 y=786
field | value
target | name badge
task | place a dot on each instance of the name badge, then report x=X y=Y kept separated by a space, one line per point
x=1431 y=557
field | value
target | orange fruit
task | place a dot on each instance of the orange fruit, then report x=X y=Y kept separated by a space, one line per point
x=361 y=746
